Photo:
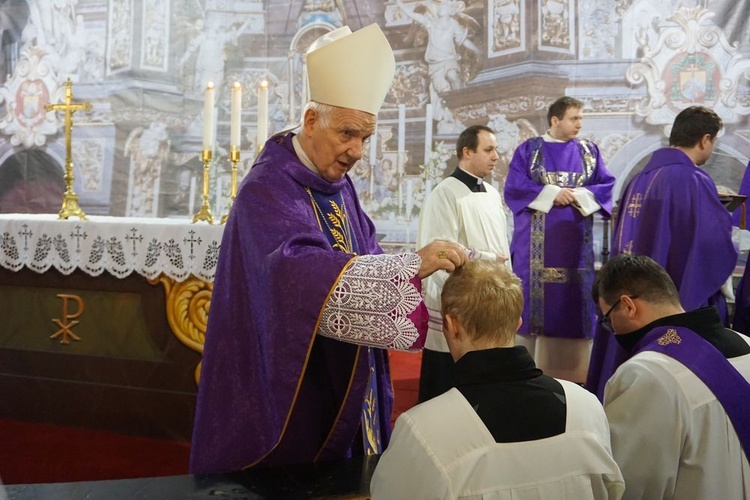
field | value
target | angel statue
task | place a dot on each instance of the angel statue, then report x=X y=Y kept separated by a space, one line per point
x=209 y=45
x=452 y=58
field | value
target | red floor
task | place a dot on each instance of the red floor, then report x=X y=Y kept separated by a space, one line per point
x=405 y=378
x=40 y=453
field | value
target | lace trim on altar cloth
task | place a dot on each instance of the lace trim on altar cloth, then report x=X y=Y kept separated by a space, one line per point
x=119 y=246
x=371 y=302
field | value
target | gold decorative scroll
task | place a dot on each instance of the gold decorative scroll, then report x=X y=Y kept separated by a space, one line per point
x=187 y=307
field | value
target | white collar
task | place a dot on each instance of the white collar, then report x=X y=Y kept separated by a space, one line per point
x=548 y=138
x=479 y=179
x=303 y=156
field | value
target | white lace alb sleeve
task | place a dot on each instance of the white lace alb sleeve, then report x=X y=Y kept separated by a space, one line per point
x=371 y=302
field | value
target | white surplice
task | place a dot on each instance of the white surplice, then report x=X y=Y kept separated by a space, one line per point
x=475 y=220
x=441 y=449
x=670 y=435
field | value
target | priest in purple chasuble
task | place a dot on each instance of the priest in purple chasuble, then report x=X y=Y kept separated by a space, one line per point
x=670 y=211
x=556 y=183
x=304 y=303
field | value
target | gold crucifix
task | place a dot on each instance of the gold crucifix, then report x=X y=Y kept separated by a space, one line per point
x=70 y=206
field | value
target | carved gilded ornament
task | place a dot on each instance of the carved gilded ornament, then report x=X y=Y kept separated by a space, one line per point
x=692 y=62
x=508 y=31
x=409 y=86
x=34 y=84
x=556 y=23
x=187 y=306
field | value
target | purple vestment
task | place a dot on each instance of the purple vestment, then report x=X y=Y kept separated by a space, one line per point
x=272 y=389
x=741 y=321
x=731 y=389
x=745 y=191
x=670 y=212
x=553 y=253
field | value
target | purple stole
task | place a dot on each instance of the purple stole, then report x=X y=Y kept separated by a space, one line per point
x=711 y=367
x=333 y=218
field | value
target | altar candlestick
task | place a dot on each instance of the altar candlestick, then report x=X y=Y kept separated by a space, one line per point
x=262 y=114
x=208 y=118
x=401 y=136
x=428 y=133
x=234 y=134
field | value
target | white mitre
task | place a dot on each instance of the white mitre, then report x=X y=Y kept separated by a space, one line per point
x=351 y=70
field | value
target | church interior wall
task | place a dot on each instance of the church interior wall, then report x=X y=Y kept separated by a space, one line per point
x=144 y=65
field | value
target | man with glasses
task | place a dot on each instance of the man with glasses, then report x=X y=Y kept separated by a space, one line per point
x=679 y=408
x=671 y=212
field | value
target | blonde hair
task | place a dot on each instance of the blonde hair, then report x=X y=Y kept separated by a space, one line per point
x=486 y=298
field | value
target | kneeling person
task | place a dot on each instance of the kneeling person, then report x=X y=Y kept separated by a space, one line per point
x=505 y=426
x=679 y=407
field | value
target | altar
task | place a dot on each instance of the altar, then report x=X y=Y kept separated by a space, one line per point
x=104 y=320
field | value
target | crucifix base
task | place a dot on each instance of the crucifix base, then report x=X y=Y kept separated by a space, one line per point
x=70 y=207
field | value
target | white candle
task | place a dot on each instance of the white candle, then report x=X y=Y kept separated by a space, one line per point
x=374 y=145
x=373 y=154
x=234 y=134
x=191 y=199
x=262 y=113
x=208 y=118
x=409 y=199
x=428 y=133
x=401 y=136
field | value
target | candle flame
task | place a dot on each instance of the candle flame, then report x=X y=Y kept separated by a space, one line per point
x=264 y=84
x=210 y=85
x=237 y=85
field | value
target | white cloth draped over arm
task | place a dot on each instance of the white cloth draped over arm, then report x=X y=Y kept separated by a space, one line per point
x=585 y=199
x=371 y=302
x=545 y=200
x=587 y=203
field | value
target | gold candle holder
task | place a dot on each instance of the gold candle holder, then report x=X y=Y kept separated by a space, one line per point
x=234 y=157
x=205 y=211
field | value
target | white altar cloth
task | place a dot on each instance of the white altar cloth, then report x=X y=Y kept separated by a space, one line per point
x=119 y=245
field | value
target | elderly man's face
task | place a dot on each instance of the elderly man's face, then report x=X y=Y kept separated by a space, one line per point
x=336 y=147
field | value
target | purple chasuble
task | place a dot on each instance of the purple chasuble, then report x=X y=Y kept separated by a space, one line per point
x=553 y=253
x=670 y=212
x=744 y=190
x=742 y=295
x=731 y=389
x=272 y=390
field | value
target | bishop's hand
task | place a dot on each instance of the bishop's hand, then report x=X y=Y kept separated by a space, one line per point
x=441 y=255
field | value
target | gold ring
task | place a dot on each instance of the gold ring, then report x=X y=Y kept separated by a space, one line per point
x=442 y=254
